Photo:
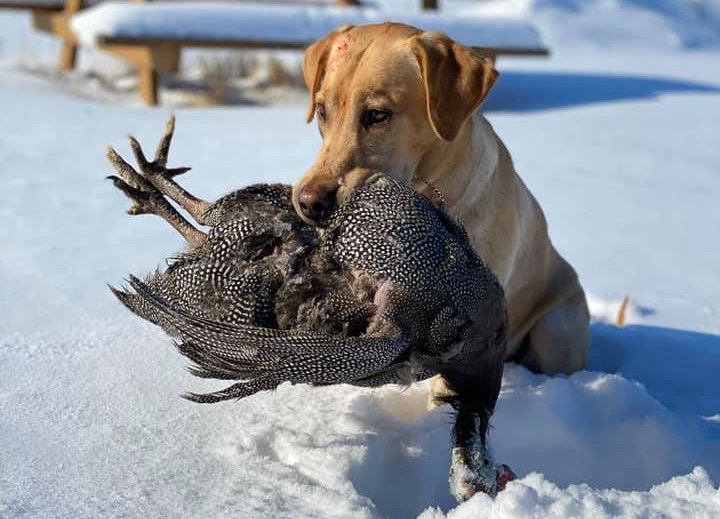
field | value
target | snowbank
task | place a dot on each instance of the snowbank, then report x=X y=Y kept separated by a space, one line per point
x=533 y=497
x=282 y=23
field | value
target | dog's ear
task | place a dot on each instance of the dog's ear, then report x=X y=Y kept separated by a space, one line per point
x=315 y=62
x=456 y=81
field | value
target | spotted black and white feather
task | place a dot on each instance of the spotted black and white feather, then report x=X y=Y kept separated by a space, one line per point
x=390 y=290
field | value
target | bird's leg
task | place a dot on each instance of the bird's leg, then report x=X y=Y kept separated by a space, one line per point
x=160 y=176
x=473 y=468
x=148 y=200
x=473 y=397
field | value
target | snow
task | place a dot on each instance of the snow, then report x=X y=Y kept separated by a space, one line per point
x=281 y=23
x=536 y=498
x=620 y=148
x=637 y=24
x=598 y=24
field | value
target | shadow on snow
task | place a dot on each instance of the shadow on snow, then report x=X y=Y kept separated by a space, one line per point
x=518 y=91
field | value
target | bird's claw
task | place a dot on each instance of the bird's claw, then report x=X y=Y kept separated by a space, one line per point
x=472 y=470
x=505 y=476
x=151 y=188
x=145 y=201
x=138 y=185
x=157 y=166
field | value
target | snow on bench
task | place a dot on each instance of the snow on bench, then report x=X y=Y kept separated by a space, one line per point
x=282 y=25
x=151 y=35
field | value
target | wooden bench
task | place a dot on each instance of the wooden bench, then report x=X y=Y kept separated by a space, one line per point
x=151 y=36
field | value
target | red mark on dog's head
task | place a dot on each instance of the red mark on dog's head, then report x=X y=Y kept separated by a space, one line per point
x=342 y=53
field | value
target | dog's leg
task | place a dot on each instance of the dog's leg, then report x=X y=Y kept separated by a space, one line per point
x=475 y=386
x=438 y=392
x=148 y=200
x=160 y=176
x=560 y=341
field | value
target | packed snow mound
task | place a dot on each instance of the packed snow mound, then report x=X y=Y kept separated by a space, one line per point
x=533 y=497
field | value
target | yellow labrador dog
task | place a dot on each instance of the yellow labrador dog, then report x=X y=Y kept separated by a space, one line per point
x=391 y=98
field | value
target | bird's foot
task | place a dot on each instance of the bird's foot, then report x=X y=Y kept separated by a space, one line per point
x=157 y=167
x=156 y=173
x=473 y=470
x=149 y=187
x=146 y=198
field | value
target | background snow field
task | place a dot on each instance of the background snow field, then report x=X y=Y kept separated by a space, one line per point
x=620 y=148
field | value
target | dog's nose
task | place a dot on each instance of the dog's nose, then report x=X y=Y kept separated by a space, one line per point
x=316 y=201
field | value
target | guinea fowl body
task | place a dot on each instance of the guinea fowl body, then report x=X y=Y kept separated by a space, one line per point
x=388 y=269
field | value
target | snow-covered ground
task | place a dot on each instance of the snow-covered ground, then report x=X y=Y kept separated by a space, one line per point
x=620 y=147
x=617 y=24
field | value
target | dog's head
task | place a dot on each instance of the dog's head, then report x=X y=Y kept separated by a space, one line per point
x=385 y=97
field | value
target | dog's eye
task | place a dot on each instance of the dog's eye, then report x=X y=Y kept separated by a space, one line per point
x=375 y=116
x=320 y=109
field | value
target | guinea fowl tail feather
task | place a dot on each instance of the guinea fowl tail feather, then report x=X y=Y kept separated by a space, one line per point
x=262 y=358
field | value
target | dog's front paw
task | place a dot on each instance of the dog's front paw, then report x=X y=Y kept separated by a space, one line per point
x=473 y=470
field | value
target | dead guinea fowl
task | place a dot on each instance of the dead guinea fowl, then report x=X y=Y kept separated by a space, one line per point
x=388 y=291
